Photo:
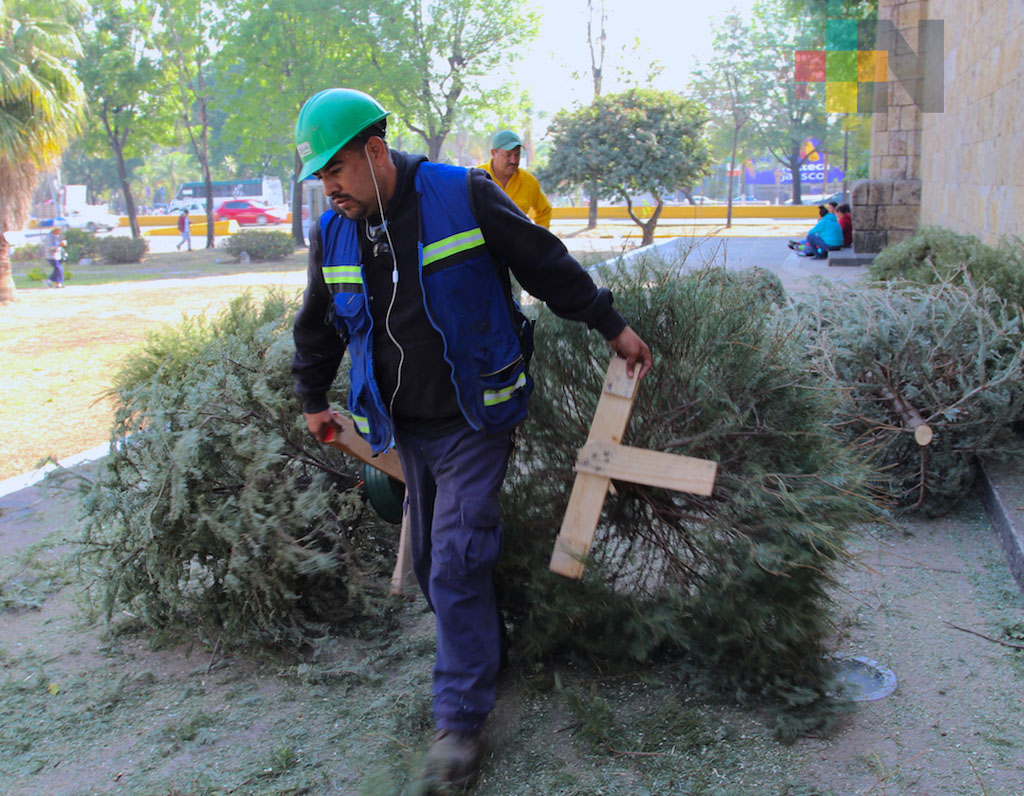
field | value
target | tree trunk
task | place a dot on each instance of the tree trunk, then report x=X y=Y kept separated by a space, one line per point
x=7 y=291
x=592 y=211
x=126 y=191
x=297 y=235
x=794 y=168
x=732 y=164
x=434 y=144
x=650 y=225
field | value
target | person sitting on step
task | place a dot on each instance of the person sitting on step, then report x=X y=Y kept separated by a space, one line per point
x=823 y=237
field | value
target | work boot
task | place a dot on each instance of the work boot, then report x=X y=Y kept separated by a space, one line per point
x=453 y=761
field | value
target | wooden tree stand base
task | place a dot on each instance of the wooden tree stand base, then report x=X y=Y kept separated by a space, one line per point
x=603 y=458
x=347 y=440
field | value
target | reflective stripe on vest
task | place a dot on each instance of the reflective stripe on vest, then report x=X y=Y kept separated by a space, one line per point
x=361 y=423
x=452 y=245
x=492 y=397
x=343 y=275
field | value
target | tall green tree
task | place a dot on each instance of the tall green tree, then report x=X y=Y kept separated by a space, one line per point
x=41 y=102
x=597 y=40
x=124 y=86
x=186 y=37
x=167 y=169
x=785 y=116
x=433 y=58
x=637 y=142
x=727 y=88
x=97 y=172
x=272 y=43
x=815 y=12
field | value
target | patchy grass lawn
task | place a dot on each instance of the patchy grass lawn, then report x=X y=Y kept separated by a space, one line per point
x=157 y=265
x=59 y=348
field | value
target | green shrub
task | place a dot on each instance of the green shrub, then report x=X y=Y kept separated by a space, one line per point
x=119 y=250
x=27 y=253
x=736 y=584
x=952 y=354
x=937 y=255
x=81 y=243
x=259 y=245
x=216 y=510
x=39 y=274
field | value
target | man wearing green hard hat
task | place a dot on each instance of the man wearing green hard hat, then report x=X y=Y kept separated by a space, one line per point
x=506 y=152
x=409 y=272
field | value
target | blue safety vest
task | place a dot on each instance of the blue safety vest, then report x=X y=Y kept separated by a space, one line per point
x=487 y=342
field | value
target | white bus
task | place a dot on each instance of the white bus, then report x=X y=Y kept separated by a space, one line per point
x=267 y=189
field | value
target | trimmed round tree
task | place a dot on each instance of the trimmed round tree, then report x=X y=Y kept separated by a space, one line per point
x=640 y=142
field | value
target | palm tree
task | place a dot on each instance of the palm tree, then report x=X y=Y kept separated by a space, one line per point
x=41 y=103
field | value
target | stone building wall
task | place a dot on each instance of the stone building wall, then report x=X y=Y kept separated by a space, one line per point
x=972 y=154
x=962 y=168
x=887 y=207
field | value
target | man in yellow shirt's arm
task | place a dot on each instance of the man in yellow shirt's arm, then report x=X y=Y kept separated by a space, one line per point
x=519 y=184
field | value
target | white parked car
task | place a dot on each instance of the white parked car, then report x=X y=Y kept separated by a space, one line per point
x=91 y=218
x=194 y=207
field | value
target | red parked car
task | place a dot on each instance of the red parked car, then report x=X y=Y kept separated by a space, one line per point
x=246 y=211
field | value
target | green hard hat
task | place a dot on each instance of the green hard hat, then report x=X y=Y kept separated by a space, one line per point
x=328 y=121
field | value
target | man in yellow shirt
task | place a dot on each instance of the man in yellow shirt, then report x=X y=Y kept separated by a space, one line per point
x=519 y=184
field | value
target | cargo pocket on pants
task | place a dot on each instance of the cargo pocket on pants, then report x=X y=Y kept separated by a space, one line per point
x=473 y=549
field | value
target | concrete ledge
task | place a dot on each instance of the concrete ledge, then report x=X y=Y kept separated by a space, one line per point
x=1002 y=492
x=847 y=257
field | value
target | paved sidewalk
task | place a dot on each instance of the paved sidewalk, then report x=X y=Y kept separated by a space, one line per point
x=797 y=273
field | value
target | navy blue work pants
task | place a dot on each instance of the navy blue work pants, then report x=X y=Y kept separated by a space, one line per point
x=816 y=246
x=455 y=539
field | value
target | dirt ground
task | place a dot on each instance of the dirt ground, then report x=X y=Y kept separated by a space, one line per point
x=86 y=712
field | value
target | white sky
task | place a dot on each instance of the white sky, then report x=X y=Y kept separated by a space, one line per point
x=677 y=34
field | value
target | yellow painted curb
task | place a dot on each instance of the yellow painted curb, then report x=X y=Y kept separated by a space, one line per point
x=693 y=211
x=219 y=228
x=153 y=220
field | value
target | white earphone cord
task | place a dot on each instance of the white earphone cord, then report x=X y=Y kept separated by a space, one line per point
x=394 y=290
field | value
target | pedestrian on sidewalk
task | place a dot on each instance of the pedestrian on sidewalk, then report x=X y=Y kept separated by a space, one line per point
x=185 y=228
x=409 y=272
x=53 y=253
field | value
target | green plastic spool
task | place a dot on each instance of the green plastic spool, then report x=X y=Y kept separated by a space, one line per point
x=386 y=494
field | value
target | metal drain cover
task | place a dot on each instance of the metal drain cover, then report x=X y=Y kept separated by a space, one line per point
x=863 y=679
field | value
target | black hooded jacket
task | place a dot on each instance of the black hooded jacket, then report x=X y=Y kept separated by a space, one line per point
x=414 y=380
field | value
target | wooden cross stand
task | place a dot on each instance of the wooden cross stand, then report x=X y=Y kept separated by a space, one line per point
x=603 y=457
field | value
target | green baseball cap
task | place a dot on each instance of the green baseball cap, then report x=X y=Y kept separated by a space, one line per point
x=506 y=139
